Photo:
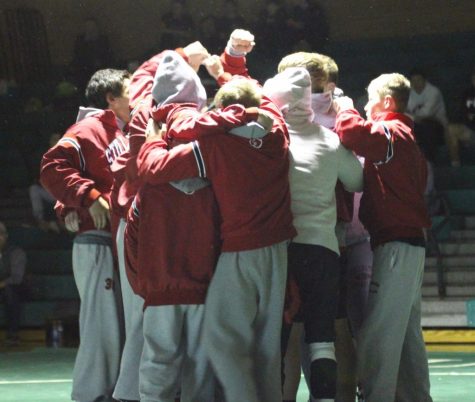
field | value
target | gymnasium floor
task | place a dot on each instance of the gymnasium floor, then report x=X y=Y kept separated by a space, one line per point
x=34 y=373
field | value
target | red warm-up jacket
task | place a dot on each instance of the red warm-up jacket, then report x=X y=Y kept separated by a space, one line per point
x=77 y=170
x=249 y=177
x=395 y=173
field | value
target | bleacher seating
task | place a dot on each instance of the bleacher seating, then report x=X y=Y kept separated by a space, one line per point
x=453 y=259
x=445 y=57
x=52 y=293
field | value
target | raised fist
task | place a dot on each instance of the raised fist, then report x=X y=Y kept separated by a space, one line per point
x=196 y=54
x=241 y=42
x=214 y=66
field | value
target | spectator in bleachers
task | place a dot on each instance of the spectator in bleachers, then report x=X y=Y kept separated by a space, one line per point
x=91 y=52
x=304 y=27
x=228 y=17
x=268 y=28
x=209 y=35
x=425 y=99
x=177 y=26
x=42 y=202
x=426 y=106
x=12 y=271
x=225 y=17
x=463 y=132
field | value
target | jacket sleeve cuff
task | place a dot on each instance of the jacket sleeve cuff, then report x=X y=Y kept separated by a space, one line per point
x=181 y=52
x=224 y=78
x=233 y=62
x=92 y=196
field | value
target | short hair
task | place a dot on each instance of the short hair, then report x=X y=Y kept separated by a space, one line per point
x=395 y=85
x=332 y=69
x=417 y=71
x=314 y=63
x=239 y=91
x=104 y=82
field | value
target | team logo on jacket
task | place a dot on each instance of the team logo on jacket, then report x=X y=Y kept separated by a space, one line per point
x=115 y=149
x=255 y=143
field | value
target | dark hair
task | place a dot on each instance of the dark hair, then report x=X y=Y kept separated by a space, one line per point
x=417 y=71
x=103 y=82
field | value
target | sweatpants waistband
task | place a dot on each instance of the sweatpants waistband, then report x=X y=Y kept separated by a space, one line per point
x=94 y=237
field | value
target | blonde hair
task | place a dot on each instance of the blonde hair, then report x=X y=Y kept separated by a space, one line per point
x=239 y=91
x=395 y=85
x=332 y=69
x=314 y=63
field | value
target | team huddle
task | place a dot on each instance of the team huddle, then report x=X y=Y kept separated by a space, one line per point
x=223 y=245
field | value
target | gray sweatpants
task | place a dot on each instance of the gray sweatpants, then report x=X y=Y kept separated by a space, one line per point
x=391 y=355
x=127 y=386
x=243 y=320
x=173 y=355
x=100 y=317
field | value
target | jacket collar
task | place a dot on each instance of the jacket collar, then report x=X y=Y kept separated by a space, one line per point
x=107 y=117
x=385 y=116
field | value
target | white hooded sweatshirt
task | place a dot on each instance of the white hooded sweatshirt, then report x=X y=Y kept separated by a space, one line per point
x=317 y=160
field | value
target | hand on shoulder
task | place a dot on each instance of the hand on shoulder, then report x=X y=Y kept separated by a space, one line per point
x=343 y=103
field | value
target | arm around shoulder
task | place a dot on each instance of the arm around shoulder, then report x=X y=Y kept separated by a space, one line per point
x=366 y=138
x=158 y=165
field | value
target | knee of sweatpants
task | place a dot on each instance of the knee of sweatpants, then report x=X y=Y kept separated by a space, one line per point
x=323 y=379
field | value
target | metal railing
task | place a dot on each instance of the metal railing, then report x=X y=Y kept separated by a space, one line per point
x=433 y=242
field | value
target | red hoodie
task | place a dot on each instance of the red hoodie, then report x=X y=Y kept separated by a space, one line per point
x=395 y=174
x=172 y=238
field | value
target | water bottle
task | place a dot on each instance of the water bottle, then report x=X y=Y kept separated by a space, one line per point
x=56 y=334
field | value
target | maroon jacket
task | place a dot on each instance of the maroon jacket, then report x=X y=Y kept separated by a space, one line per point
x=172 y=239
x=77 y=170
x=249 y=178
x=395 y=174
x=172 y=244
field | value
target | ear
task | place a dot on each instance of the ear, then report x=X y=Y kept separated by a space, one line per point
x=110 y=99
x=389 y=103
x=330 y=87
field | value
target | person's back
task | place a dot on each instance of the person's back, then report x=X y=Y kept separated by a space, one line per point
x=123 y=192
x=250 y=181
x=244 y=305
x=317 y=160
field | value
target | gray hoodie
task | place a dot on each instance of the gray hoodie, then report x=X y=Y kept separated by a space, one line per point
x=176 y=82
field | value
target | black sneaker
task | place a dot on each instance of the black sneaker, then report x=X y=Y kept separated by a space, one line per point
x=323 y=379
x=359 y=394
